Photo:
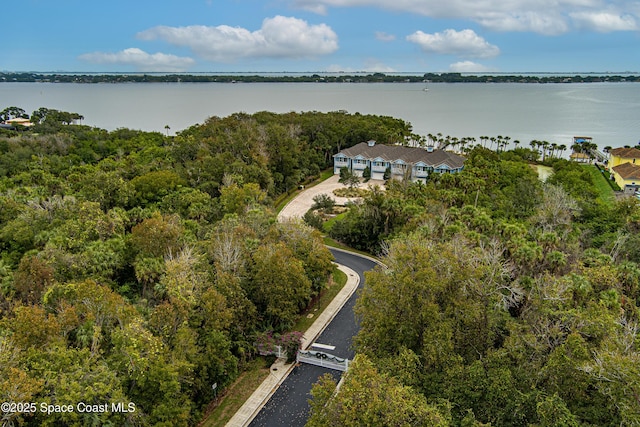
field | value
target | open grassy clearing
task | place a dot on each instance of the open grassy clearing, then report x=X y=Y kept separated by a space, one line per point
x=238 y=392
x=326 y=226
x=600 y=182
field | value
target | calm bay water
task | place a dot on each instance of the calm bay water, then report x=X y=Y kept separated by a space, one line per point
x=608 y=112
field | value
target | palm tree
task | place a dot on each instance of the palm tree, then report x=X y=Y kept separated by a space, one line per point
x=454 y=142
x=166 y=128
x=534 y=144
x=577 y=147
x=492 y=139
x=588 y=147
x=467 y=141
x=432 y=140
x=417 y=141
x=562 y=148
x=545 y=146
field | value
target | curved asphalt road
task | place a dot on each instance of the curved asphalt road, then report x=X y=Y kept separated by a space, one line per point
x=288 y=406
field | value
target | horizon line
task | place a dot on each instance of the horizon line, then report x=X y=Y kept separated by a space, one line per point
x=327 y=72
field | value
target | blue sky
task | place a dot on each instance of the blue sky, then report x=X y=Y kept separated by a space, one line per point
x=388 y=36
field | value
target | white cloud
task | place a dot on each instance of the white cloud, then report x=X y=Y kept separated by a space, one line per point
x=605 y=22
x=452 y=42
x=385 y=37
x=469 y=67
x=279 y=37
x=544 y=23
x=141 y=60
x=313 y=7
x=548 y=17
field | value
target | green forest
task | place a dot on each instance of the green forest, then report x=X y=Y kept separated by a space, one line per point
x=505 y=301
x=138 y=268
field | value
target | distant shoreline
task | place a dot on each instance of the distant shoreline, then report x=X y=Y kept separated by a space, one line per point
x=8 y=77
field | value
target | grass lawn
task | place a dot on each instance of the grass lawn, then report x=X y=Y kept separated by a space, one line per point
x=600 y=182
x=238 y=392
x=326 y=174
x=326 y=226
x=258 y=369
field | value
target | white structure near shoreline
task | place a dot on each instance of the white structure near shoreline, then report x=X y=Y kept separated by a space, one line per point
x=410 y=163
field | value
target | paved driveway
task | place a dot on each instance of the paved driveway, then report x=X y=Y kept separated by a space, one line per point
x=297 y=207
x=289 y=404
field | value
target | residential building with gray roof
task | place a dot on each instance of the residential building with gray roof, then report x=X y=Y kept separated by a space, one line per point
x=410 y=163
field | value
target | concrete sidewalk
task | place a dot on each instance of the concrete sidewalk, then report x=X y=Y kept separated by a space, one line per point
x=280 y=370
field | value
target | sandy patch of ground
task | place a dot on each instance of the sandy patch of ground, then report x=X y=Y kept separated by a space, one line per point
x=544 y=172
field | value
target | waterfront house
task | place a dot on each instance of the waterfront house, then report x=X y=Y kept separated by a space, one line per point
x=403 y=162
x=19 y=121
x=618 y=156
x=624 y=166
x=580 y=157
x=627 y=176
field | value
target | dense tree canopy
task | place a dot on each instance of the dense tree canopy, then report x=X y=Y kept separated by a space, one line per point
x=137 y=267
x=509 y=300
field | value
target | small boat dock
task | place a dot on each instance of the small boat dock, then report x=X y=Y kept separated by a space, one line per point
x=588 y=147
